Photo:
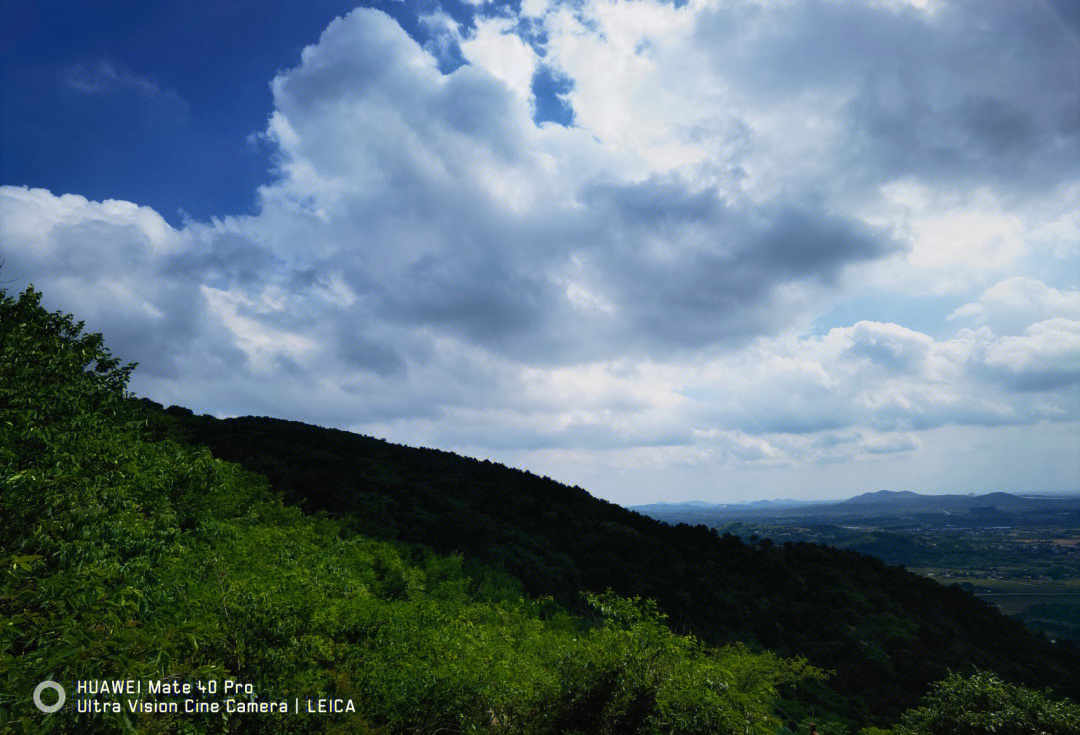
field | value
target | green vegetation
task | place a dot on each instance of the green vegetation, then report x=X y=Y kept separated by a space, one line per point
x=983 y=703
x=979 y=704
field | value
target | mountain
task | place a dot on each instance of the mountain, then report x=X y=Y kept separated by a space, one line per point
x=874 y=507
x=906 y=499
x=886 y=633
x=885 y=497
x=666 y=506
x=781 y=503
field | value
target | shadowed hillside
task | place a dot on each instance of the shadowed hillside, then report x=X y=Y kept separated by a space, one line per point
x=885 y=632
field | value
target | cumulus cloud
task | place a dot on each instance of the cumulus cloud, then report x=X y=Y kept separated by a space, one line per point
x=1045 y=357
x=890 y=378
x=634 y=290
x=1012 y=305
x=452 y=210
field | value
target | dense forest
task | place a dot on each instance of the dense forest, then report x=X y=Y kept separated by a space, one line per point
x=130 y=553
x=885 y=632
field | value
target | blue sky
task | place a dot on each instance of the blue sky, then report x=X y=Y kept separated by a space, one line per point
x=153 y=102
x=718 y=250
x=162 y=103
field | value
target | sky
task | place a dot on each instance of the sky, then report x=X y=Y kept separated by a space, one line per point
x=723 y=250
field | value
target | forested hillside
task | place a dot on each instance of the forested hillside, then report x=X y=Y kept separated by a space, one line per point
x=885 y=632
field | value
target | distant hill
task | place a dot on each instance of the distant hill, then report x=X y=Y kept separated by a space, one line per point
x=916 y=501
x=886 y=497
x=781 y=503
x=885 y=632
x=861 y=507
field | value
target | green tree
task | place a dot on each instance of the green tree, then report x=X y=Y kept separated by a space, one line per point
x=983 y=704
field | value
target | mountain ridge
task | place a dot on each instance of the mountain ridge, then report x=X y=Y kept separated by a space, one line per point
x=886 y=632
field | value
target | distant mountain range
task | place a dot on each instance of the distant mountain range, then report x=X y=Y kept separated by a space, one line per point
x=699 y=504
x=880 y=499
x=917 y=501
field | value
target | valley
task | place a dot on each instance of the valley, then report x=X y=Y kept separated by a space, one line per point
x=1020 y=553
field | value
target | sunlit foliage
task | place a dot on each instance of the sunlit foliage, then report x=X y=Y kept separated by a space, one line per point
x=983 y=704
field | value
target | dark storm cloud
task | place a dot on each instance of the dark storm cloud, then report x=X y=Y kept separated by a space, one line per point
x=1045 y=380
x=686 y=268
x=998 y=127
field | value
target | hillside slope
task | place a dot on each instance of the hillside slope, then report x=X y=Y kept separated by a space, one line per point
x=885 y=632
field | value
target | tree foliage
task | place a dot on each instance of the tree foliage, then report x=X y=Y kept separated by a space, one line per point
x=983 y=704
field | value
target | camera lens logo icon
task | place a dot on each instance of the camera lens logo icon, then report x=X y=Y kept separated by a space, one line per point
x=61 y=696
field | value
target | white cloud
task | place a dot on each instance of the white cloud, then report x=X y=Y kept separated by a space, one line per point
x=955 y=241
x=1010 y=306
x=534 y=8
x=637 y=81
x=1060 y=237
x=1046 y=357
x=494 y=47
